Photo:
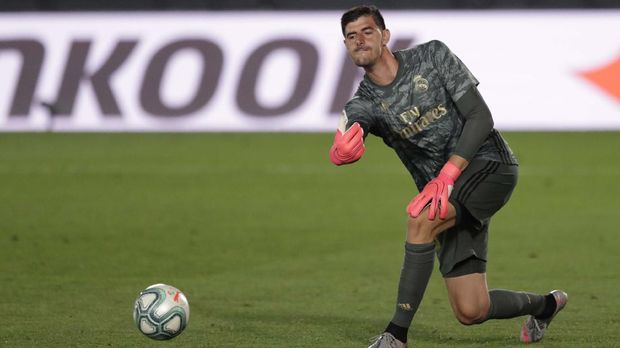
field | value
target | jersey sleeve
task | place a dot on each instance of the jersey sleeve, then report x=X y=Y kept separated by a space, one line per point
x=455 y=76
x=356 y=111
x=478 y=124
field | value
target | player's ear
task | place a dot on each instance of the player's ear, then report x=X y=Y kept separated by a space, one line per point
x=386 y=36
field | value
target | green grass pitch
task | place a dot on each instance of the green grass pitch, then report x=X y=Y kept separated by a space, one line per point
x=276 y=247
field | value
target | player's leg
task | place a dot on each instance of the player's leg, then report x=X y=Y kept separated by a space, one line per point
x=415 y=273
x=463 y=250
x=421 y=230
x=473 y=303
x=469 y=297
x=420 y=254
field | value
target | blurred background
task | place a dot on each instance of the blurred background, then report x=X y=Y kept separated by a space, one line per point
x=259 y=65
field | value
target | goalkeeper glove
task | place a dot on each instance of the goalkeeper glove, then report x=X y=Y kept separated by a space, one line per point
x=435 y=193
x=349 y=146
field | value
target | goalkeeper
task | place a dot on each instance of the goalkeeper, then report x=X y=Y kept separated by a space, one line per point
x=423 y=102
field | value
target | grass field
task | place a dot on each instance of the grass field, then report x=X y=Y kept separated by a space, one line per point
x=275 y=247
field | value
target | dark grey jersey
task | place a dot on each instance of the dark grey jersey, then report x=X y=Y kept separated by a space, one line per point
x=416 y=114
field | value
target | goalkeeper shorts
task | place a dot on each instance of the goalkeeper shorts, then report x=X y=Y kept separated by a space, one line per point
x=481 y=190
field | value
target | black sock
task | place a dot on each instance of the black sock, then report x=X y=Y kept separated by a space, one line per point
x=414 y=276
x=399 y=332
x=550 y=306
x=509 y=304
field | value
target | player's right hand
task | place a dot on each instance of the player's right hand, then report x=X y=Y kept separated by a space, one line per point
x=349 y=146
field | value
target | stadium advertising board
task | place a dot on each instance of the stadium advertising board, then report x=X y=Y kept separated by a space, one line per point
x=288 y=71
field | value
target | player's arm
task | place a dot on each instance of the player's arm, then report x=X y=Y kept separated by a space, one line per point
x=478 y=125
x=348 y=146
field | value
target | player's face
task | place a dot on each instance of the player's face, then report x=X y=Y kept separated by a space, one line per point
x=365 y=41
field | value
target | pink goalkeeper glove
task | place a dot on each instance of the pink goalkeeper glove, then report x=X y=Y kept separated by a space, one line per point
x=347 y=147
x=436 y=193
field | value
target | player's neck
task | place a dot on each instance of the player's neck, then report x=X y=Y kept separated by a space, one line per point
x=384 y=71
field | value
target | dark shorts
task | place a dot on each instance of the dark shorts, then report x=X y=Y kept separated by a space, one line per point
x=481 y=190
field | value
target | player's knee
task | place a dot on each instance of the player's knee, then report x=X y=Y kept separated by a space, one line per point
x=419 y=230
x=470 y=314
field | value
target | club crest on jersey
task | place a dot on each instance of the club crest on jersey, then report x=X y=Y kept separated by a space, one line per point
x=420 y=84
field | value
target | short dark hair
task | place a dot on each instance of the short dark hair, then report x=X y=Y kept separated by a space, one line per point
x=359 y=11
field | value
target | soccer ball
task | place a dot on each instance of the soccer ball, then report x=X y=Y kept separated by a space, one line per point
x=161 y=312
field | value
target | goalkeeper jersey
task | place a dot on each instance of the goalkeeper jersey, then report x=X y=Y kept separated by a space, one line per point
x=416 y=114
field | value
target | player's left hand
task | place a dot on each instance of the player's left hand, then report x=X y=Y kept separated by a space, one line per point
x=435 y=193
